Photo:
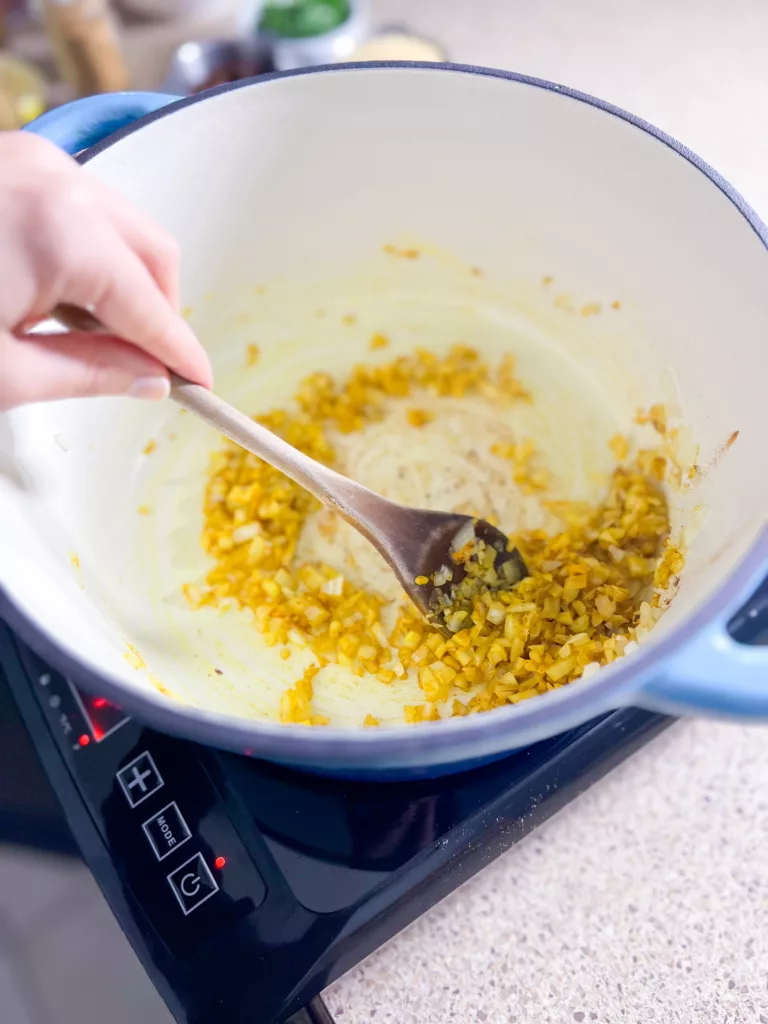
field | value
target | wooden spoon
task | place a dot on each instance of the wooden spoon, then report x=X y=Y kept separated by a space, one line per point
x=416 y=543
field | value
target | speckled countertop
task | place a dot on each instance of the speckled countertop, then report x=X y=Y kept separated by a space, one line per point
x=643 y=902
x=646 y=900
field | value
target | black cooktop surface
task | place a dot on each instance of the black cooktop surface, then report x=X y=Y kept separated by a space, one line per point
x=246 y=888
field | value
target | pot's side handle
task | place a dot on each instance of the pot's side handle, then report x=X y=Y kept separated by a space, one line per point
x=716 y=674
x=83 y=123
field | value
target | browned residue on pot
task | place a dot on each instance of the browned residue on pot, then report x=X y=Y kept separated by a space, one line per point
x=698 y=473
x=406 y=254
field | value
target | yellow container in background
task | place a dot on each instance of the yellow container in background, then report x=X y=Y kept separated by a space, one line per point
x=22 y=92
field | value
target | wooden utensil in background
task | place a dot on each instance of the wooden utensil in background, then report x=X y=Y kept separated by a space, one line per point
x=86 y=44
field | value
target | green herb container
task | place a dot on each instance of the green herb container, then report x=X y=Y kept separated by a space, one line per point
x=305 y=33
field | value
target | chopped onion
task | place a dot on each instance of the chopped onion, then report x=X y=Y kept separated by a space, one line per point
x=443 y=576
x=334 y=587
x=463 y=536
x=245 y=532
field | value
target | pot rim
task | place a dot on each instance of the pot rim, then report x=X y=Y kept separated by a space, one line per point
x=339 y=745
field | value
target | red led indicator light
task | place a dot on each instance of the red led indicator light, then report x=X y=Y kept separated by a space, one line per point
x=84 y=740
x=219 y=862
x=102 y=716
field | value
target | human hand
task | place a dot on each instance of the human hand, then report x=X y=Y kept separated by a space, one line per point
x=65 y=237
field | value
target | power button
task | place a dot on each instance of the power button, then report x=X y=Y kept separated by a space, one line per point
x=192 y=883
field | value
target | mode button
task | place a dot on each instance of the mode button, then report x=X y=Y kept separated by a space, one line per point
x=166 y=830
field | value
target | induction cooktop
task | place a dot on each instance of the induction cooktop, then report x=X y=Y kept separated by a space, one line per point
x=246 y=888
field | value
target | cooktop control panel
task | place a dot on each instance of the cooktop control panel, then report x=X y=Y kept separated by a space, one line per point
x=246 y=887
x=159 y=813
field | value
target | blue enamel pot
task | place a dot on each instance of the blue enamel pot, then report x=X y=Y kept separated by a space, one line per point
x=292 y=196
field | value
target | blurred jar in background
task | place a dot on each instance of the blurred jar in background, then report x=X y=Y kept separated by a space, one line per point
x=300 y=19
x=162 y=10
x=305 y=33
x=398 y=44
x=22 y=92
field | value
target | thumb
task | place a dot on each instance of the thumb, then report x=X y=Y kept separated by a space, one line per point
x=37 y=368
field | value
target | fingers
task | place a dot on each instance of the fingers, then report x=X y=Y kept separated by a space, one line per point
x=156 y=248
x=31 y=152
x=83 y=259
x=122 y=293
x=40 y=368
x=66 y=237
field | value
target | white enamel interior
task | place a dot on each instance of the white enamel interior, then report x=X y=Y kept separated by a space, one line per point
x=282 y=195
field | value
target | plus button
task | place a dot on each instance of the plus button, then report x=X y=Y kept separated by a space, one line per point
x=139 y=779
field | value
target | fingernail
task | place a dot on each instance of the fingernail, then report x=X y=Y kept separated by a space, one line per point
x=150 y=389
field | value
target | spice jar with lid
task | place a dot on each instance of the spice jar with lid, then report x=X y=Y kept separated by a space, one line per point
x=304 y=33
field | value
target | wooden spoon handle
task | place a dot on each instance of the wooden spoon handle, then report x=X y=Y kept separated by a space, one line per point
x=328 y=486
x=321 y=481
